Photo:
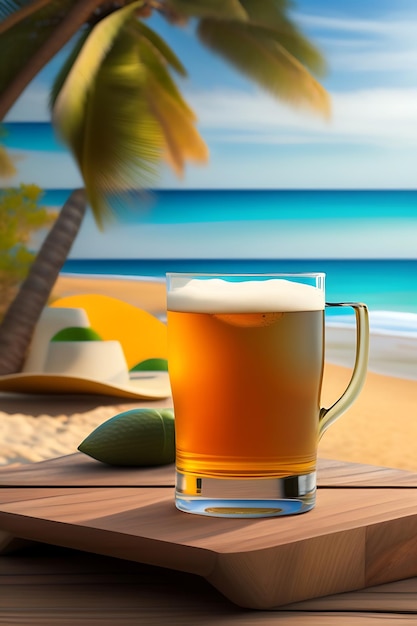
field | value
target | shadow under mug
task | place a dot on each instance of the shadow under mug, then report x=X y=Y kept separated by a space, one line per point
x=246 y=359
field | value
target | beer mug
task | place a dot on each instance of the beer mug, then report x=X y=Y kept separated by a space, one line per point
x=246 y=360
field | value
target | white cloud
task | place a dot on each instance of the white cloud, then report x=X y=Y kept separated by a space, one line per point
x=377 y=116
x=356 y=46
x=333 y=169
x=388 y=25
x=368 y=116
x=381 y=61
x=379 y=126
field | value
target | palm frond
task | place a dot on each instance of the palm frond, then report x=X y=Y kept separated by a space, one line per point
x=61 y=77
x=266 y=11
x=182 y=140
x=160 y=45
x=220 y=9
x=155 y=65
x=272 y=15
x=14 y=11
x=73 y=94
x=105 y=120
x=253 y=51
x=20 y=43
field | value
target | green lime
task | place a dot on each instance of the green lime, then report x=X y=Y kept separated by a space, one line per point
x=76 y=333
x=139 y=437
x=152 y=365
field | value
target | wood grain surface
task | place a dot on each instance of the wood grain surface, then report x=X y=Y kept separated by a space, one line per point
x=358 y=535
x=46 y=586
x=81 y=470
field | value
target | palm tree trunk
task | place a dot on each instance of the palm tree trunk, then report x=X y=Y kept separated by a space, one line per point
x=21 y=14
x=19 y=322
x=79 y=14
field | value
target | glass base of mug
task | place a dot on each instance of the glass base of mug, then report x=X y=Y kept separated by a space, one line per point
x=245 y=497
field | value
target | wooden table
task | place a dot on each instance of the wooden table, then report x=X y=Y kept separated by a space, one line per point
x=362 y=532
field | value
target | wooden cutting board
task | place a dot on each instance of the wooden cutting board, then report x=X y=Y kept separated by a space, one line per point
x=362 y=532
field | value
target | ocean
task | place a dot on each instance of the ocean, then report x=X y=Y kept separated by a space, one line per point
x=388 y=285
x=384 y=285
x=389 y=288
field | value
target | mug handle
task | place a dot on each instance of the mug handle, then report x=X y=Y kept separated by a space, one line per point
x=330 y=415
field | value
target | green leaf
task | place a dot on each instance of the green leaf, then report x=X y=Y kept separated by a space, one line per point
x=271 y=15
x=23 y=40
x=219 y=9
x=67 y=66
x=159 y=44
x=119 y=111
x=122 y=142
x=21 y=216
x=182 y=140
x=73 y=95
x=102 y=114
x=158 y=71
x=256 y=53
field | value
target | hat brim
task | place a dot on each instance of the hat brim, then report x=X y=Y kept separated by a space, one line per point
x=143 y=385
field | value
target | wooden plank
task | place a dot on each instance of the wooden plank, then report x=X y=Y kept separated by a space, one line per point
x=352 y=539
x=79 y=469
x=362 y=531
x=151 y=513
x=333 y=473
x=48 y=586
x=396 y=597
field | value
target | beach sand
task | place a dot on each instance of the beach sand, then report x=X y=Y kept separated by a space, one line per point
x=380 y=428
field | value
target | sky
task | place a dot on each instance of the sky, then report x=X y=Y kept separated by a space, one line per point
x=256 y=142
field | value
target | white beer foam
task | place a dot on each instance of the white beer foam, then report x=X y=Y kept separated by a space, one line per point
x=220 y=296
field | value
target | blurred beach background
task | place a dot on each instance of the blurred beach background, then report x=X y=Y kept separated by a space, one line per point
x=358 y=238
x=284 y=192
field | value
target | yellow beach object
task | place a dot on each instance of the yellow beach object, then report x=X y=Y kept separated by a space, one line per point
x=141 y=335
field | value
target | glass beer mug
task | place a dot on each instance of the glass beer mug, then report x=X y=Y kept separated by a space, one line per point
x=246 y=360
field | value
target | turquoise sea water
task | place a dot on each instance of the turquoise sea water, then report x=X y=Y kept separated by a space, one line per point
x=389 y=288
x=223 y=205
x=30 y=136
x=385 y=284
x=388 y=285
x=382 y=284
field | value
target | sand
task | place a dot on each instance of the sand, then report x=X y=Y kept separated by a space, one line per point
x=35 y=428
x=380 y=428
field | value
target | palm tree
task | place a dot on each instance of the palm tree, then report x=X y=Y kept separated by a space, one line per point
x=116 y=106
x=7 y=166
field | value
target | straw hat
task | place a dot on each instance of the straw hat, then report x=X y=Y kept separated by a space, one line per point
x=86 y=367
x=142 y=335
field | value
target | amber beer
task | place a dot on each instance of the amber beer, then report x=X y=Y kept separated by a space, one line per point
x=246 y=373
